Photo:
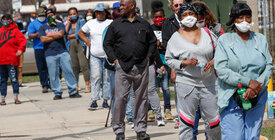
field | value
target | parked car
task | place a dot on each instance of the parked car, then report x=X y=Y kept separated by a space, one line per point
x=29 y=66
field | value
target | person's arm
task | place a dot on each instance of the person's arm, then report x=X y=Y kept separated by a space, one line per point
x=42 y=36
x=79 y=25
x=21 y=41
x=266 y=74
x=56 y=35
x=32 y=33
x=224 y=72
x=108 y=44
x=152 y=41
x=84 y=38
x=165 y=33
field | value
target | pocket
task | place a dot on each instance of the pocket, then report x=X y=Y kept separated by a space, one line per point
x=142 y=35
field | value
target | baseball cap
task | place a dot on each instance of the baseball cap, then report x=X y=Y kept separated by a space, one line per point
x=116 y=5
x=100 y=7
x=48 y=11
x=8 y=16
x=41 y=12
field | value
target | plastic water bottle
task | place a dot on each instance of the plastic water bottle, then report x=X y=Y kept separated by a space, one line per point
x=159 y=73
x=241 y=92
x=200 y=65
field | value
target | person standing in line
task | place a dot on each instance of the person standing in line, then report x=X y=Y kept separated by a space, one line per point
x=88 y=15
x=242 y=57
x=99 y=74
x=39 y=51
x=130 y=43
x=51 y=34
x=171 y=25
x=12 y=46
x=196 y=80
x=75 y=47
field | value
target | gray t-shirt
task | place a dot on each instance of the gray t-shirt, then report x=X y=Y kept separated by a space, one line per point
x=179 y=49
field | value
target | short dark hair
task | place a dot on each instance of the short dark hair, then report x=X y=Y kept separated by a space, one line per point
x=72 y=8
x=237 y=10
x=8 y=16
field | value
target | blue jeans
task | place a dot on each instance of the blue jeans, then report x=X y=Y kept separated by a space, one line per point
x=129 y=111
x=239 y=124
x=196 y=124
x=99 y=78
x=42 y=68
x=62 y=60
x=164 y=83
x=5 y=72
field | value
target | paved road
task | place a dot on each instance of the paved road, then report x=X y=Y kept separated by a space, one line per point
x=41 y=118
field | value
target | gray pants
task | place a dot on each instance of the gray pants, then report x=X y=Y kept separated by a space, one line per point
x=124 y=83
x=152 y=93
x=189 y=97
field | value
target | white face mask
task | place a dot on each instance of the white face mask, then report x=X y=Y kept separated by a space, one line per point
x=41 y=19
x=89 y=18
x=243 y=26
x=200 y=25
x=189 y=21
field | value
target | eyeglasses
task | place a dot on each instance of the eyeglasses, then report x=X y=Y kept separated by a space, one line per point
x=177 y=5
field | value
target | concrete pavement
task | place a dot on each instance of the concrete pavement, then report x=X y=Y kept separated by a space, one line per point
x=40 y=117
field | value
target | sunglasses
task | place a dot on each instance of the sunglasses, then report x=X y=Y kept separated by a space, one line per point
x=177 y=5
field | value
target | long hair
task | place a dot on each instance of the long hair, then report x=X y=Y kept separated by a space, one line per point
x=204 y=11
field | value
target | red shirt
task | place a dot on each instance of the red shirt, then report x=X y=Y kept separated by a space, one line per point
x=11 y=40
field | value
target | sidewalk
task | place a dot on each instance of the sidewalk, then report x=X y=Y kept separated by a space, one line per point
x=39 y=117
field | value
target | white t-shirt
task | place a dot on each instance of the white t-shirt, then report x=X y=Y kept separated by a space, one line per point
x=95 y=28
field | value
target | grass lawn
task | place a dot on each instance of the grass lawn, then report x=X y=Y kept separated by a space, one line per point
x=268 y=129
x=28 y=79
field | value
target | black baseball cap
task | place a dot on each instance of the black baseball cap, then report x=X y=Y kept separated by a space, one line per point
x=8 y=16
x=48 y=11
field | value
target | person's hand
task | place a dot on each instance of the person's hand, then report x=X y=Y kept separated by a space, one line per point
x=88 y=44
x=69 y=20
x=192 y=61
x=116 y=61
x=162 y=70
x=173 y=76
x=18 y=53
x=255 y=85
x=208 y=65
x=249 y=94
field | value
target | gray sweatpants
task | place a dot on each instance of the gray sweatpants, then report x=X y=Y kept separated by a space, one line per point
x=189 y=97
x=124 y=82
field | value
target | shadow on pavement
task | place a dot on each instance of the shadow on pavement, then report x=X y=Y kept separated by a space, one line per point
x=152 y=135
x=15 y=136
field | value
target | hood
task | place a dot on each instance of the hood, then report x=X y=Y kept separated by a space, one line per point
x=12 y=26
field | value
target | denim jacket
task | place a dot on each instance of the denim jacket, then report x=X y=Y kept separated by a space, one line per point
x=229 y=70
x=79 y=24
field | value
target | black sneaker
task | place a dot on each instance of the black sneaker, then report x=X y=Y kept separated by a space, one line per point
x=3 y=103
x=17 y=101
x=143 y=136
x=120 y=136
x=57 y=97
x=105 y=105
x=76 y=95
x=45 y=90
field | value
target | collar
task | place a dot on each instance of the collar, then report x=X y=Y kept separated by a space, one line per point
x=125 y=19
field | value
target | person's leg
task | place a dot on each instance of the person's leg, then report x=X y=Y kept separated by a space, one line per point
x=232 y=122
x=166 y=90
x=140 y=87
x=3 y=81
x=129 y=111
x=66 y=66
x=84 y=66
x=20 y=69
x=96 y=78
x=42 y=68
x=152 y=93
x=112 y=89
x=210 y=112
x=105 y=81
x=53 y=70
x=196 y=124
x=75 y=60
x=122 y=88
x=254 y=118
x=14 y=80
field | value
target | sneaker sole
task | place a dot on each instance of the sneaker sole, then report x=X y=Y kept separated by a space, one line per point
x=92 y=109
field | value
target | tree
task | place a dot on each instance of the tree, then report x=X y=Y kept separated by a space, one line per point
x=6 y=6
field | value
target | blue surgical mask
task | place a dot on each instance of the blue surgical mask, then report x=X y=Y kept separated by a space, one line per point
x=74 y=18
x=5 y=22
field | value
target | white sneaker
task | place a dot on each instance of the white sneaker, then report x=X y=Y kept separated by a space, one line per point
x=133 y=126
x=161 y=123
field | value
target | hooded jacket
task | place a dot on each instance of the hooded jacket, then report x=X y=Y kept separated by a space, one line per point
x=11 y=41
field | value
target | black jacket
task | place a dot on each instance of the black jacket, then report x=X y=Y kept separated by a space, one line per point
x=169 y=27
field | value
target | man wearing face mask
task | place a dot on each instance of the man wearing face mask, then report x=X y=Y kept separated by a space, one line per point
x=38 y=47
x=51 y=34
x=12 y=46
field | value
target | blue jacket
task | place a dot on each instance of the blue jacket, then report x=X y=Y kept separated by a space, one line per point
x=229 y=70
x=79 y=24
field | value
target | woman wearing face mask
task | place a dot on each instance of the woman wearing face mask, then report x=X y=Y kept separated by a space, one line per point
x=88 y=15
x=75 y=47
x=207 y=19
x=12 y=46
x=242 y=57
x=190 y=52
